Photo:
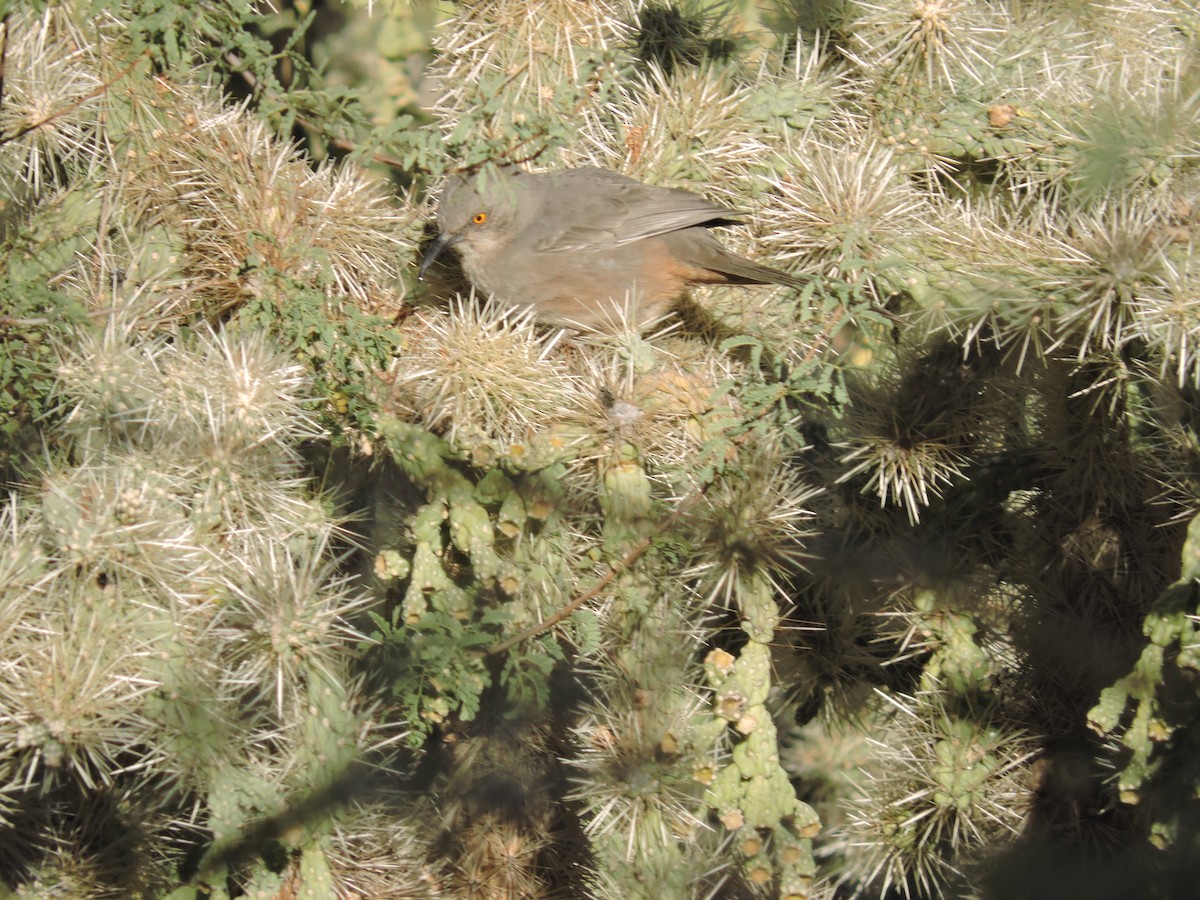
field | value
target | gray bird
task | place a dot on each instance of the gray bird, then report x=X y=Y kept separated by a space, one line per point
x=578 y=244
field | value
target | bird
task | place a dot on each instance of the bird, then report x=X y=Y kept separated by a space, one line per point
x=578 y=246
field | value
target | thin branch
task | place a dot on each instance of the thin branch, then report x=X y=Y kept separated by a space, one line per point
x=545 y=625
x=624 y=563
x=239 y=66
x=4 y=54
x=75 y=104
x=639 y=549
x=589 y=90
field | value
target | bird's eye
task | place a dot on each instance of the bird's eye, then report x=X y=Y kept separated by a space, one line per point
x=479 y=218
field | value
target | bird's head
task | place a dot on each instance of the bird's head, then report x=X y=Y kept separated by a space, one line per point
x=478 y=213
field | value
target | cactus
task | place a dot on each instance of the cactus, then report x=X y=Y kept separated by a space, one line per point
x=316 y=582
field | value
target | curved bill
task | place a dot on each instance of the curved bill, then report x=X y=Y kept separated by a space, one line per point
x=435 y=250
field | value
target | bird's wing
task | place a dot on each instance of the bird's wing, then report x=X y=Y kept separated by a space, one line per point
x=597 y=209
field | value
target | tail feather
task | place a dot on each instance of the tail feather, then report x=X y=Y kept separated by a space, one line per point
x=739 y=270
x=697 y=249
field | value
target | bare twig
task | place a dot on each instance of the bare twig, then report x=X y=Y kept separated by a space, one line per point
x=75 y=104
x=545 y=625
x=340 y=143
x=625 y=562
x=639 y=549
x=4 y=54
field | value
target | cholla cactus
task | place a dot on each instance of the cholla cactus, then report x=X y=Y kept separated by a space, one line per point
x=937 y=788
x=175 y=571
x=313 y=587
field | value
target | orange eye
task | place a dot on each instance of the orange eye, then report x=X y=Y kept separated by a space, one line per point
x=479 y=218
